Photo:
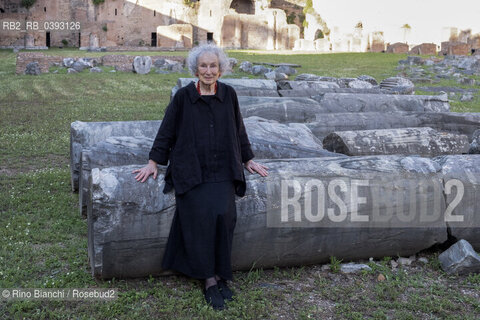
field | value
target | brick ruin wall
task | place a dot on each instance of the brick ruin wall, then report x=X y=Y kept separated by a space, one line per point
x=119 y=61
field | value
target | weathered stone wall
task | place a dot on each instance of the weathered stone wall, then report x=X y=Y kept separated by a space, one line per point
x=44 y=61
x=172 y=24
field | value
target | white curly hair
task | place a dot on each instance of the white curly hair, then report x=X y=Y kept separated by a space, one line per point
x=195 y=53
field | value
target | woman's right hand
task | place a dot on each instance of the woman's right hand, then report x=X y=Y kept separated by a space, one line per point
x=145 y=172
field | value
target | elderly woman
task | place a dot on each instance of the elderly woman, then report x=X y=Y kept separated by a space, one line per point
x=203 y=136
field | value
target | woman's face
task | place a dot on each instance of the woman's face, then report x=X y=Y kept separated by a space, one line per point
x=208 y=68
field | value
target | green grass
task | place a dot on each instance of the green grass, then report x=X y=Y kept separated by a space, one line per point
x=44 y=238
x=377 y=65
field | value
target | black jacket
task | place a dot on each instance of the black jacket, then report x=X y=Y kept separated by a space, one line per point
x=177 y=143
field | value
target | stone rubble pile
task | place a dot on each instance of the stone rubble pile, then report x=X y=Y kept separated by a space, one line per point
x=460 y=258
x=408 y=165
x=461 y=69
x=281 y=71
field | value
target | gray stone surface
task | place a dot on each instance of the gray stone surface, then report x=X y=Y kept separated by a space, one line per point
x=463 y=197
x=414 y=60
x=398 y=85
x=90 y=62
x=307 y=77
x=425 y=142
x=259 y=70
x=96 y=69
x=237 y=84
x=302 y=85
x=80 y=65
x=286 y=69
x=71 y=70
x=273 y=75
x=232 y=62
x=467 y=81
x=175 y=67
x=159 y=63
x=404 y=261
x=345 y=82
x=282 y=64
x=129 y=222
x=466 y=97
x=327 y=123
x=84 y=135
x=269 y=139
x=257 y=92
x=385 y=102
x=33 y=69
x=423 y=260
x=454 y=122
x=475 y=145
x=460 y=258
x=301 y=109
x=447 y=89
x=142 y=64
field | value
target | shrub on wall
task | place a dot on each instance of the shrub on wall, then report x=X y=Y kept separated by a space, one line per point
x=97 y=2
x=28 y=3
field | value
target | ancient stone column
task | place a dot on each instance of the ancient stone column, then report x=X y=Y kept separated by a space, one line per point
x=86 y=134
x=269 y=140
x=237 y=84
x=304 y=212
x=281 y=109
x=334 y=102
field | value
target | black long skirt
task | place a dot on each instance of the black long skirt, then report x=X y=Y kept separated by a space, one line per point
x=200 y=240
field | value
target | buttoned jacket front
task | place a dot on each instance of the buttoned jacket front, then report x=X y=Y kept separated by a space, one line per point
x=177 y=144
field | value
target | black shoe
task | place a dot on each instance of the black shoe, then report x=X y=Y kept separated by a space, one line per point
x=225 y=291
x=214 y=298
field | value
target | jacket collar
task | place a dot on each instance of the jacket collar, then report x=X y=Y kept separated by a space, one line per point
x=194 y=95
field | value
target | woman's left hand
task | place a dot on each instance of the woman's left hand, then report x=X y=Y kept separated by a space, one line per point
x=253 y=167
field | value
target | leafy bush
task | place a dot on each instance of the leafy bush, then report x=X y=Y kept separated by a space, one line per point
x=291 y=18
x=28 y=3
